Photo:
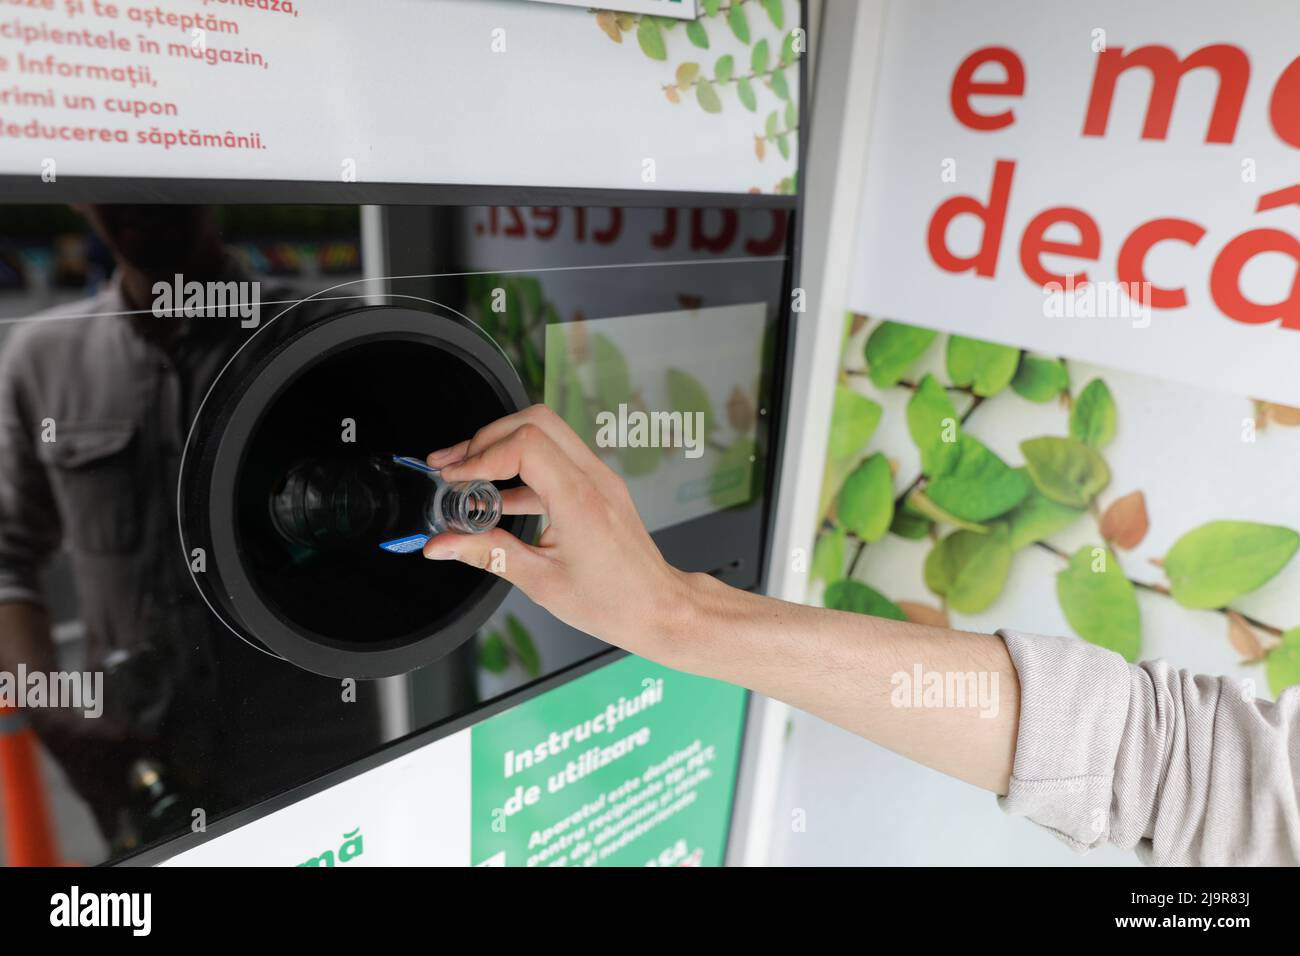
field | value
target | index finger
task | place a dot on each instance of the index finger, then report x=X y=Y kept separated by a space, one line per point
x=539 y=415
x=533 y=456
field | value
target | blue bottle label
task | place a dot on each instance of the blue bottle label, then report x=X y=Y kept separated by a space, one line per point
x=407 y=462
x=406 y=545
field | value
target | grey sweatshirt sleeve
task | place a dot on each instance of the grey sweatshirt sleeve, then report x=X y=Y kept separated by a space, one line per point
x=1186 y=769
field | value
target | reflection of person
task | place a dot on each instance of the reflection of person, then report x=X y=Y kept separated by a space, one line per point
x=1186 y=769
x=95 y=401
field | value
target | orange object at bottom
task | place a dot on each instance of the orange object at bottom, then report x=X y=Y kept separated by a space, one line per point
x=28 y=833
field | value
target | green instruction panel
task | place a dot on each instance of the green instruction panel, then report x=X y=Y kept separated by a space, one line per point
x=631 y=765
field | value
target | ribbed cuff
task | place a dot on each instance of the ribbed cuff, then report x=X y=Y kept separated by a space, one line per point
x=1074 y=700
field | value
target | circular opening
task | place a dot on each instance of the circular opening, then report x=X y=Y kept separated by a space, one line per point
x=470 y=507
x=391 y=397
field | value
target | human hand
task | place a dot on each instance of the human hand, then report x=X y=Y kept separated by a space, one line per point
x=595 y=567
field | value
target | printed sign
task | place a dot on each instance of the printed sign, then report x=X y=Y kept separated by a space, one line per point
x=488 y=92
x=632 y=764
x=1108 y=181
x=617 y=769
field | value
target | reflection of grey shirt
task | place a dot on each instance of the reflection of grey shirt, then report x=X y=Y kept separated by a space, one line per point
x=1187 y=769
x=93 y=420
x=118 y=405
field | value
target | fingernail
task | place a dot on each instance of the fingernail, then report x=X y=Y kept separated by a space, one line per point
x=441 y=554
x=437 y=456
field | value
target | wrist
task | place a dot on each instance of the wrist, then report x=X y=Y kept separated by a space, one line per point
x=685 y=636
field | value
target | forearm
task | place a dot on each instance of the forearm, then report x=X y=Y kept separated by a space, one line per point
x=597 y=569
x=860 y=673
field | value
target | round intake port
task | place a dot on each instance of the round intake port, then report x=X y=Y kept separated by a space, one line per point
x=311 y=532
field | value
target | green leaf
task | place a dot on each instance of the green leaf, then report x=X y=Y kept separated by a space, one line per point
x=828 y=556
x=614 y=388
x=711 y=7
x=984 y=367
x=788 y=54
x=758 y=58
x=739 y=22
x=791 y=115
x=1039 y=379
x=773 y=125
x=723 y=69
x=1283 y=663
x=1220 y=561
x=532 y=372
x=867 y=499
x=1093 y=417
x=969 y=570
x=909 y=523
x=651 y=39
x=559 y=372
x=746 y=92
x=1100 y=602
x=979 y=486
x=930 y=418
x=521 y=642
x=708 y=97
x=833 y=475
x=774 y=12
x=854 y=418
x=687 y=395
x=574 y=409
x=779 y=85
x=892 y=349
x=613 y=380
x=493 y=655
x=860 y=599
x=922 y=505
x=1037 y=518
x=696 y=33
x=530 y=292
x=1066 y=471
x=686 y=74
x=514 y=309
x=783 y=146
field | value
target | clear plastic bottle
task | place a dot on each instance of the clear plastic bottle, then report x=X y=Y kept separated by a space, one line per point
x=332 y=504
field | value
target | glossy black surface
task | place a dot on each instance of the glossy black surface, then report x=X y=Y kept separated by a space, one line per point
x=228 y=725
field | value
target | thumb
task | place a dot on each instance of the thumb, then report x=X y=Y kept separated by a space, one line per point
x=497 y=551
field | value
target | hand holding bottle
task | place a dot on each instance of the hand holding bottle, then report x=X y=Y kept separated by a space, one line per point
x=595 y=567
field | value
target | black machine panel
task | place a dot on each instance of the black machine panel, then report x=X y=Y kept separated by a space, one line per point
x=159 y=529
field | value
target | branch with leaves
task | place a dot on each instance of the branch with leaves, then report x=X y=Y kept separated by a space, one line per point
x=767 y=68
x=979 y=512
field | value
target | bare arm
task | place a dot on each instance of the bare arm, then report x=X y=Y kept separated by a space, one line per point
x=851 y=670
x=597 y=569
x=1184 y=768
